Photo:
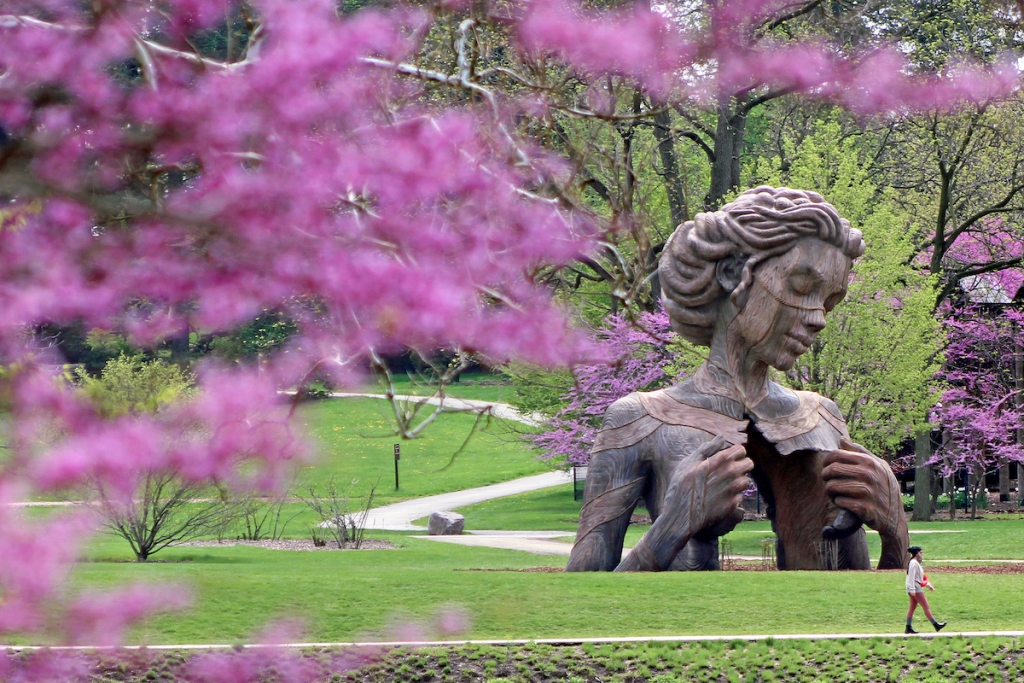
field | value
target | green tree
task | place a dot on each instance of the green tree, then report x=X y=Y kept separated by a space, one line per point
x=164 y=508
x=881 y=349
x=131 y=385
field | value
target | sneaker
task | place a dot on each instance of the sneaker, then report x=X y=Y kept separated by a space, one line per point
x=911 y=630
x=939 y=625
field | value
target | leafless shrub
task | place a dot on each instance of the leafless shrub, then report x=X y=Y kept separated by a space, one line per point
x=164 y=510
x=345 y=526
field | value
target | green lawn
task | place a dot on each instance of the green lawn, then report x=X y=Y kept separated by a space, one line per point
x=482 y=386
x=551 y=509
x=353 y=439
x=356 y=594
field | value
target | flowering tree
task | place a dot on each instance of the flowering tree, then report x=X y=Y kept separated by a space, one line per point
x=309 y=166
x=982 y=412
x=646 y=355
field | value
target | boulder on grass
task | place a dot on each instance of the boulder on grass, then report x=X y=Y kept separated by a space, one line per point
x=445 y=524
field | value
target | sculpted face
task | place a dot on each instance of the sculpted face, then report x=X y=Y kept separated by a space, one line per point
x=786 y=303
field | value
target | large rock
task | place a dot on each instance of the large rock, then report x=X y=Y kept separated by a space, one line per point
x=445 y=524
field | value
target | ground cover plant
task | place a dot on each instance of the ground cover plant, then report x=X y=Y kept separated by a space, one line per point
x=352 y=595
x=871 y=660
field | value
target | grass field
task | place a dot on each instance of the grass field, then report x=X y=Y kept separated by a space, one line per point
x=482 y=386
x=347 y=595
x=353 y=440
x=359 y=594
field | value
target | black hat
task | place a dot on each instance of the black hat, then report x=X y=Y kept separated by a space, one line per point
x=914 y=549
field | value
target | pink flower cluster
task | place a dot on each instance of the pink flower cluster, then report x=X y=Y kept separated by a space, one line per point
x=981 y=411
x=149 y=189
x=640 y=351
x=724 y=57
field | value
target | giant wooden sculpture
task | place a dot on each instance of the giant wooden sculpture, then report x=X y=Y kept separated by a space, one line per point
x=753 y=282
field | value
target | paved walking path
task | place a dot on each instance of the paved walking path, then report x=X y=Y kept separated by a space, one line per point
x=527 y=641
x=399 y=516
x=457 y=405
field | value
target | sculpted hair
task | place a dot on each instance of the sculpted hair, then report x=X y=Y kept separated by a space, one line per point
x=761 y=223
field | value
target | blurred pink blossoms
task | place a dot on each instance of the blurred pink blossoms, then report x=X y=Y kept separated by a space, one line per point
x=146 y=188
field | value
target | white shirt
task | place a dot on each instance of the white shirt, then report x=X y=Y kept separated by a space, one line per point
x=915 y=575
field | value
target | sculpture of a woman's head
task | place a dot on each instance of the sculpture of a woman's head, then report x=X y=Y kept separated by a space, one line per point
x=714 y=256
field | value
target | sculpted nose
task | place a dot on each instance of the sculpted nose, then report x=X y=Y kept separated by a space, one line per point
x=815 y=321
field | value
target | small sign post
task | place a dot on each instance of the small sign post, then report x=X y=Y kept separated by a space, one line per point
x=398 y=456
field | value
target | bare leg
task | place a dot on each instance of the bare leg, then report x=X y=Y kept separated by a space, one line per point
x=923 y=601
x=913 y=606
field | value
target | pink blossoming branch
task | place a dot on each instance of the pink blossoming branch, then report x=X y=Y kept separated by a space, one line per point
x=149 y=188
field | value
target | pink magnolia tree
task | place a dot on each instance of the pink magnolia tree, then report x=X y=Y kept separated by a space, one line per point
x=151 y=188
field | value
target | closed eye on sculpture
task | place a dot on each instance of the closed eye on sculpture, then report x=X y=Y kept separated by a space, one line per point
x=804 y=282
x=833 y=300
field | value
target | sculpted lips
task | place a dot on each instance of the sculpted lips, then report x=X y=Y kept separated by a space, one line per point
x=804 y=341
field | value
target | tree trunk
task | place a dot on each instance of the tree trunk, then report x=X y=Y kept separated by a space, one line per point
x=922 y=477
x=677 y=205
x=972 y=490
x=1004 y=482
x=951 y=493
x=725 y=170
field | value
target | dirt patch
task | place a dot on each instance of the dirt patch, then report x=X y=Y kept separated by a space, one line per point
x=292 y=544
x=541 y=570
x=1005 y=568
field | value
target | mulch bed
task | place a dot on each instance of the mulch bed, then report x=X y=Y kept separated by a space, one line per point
x=293 y=544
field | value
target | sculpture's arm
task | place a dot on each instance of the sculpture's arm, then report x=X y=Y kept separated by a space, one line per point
x=863 y=483
x=615 y=482
x=697 y=497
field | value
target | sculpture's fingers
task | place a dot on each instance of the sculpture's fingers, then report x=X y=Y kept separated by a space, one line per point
x=847 y=445
x=706 y=450
x=845 y=523
x=732 y=453
x=840 y=470
x=854 y=505
x=847 y=488
x=844 y=457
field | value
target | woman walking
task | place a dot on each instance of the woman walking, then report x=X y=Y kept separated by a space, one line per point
x=916 y=583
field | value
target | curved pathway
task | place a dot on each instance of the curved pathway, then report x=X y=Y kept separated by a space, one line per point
x=458 y=405
x=399 y=516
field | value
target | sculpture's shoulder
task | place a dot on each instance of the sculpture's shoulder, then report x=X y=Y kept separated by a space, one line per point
x=635 y=417
x=816 y=423
x=828 y=409
x=625 y=410
x=626 y=423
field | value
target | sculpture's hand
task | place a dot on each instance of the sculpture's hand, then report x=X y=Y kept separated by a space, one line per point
x=862 y=484
x=724 y=484
x=702 y=497
x=709 y=494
